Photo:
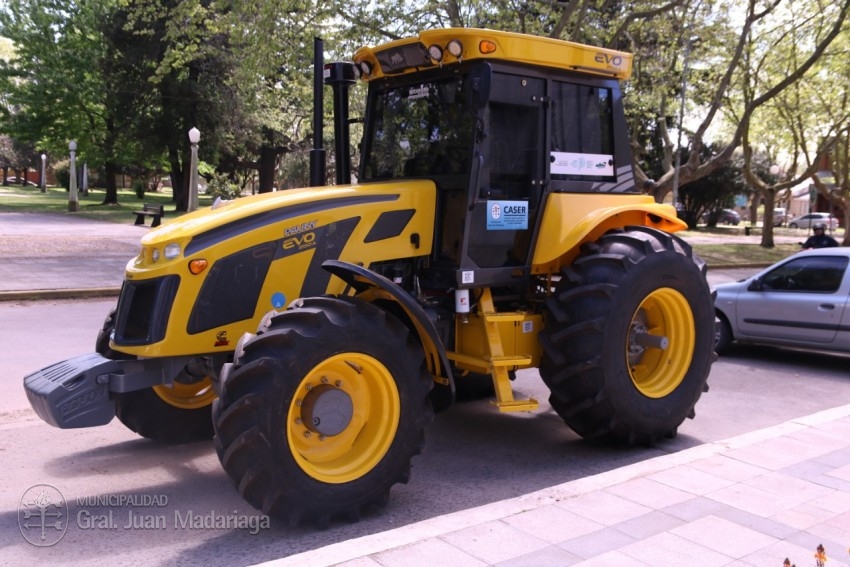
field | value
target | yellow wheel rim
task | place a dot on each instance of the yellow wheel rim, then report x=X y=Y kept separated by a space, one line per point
x=187 y=396
x=343 y=418
x=657 y=369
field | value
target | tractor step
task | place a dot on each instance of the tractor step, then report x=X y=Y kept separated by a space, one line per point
x=503 y=317
x=506 y=361
x=516 y=405
x=488 y=361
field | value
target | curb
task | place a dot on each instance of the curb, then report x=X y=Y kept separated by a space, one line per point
x=40 y=294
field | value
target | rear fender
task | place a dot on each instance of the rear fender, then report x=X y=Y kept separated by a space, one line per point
x=375 y=288
x=571 y=219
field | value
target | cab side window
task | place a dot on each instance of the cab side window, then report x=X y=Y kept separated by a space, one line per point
x=582 y=141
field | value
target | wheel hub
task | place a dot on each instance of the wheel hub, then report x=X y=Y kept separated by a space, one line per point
x=658 y=364
x=327 y=410
x=641 y=339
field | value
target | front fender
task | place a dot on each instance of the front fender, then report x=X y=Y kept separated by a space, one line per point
x=372 y=287
x=571 y=219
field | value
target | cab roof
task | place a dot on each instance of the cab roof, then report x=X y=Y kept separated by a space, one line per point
x=432 y=48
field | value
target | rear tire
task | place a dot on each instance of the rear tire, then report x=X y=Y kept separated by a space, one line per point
x=631 y=286
x=322 y=411
x=473 y=386
x=180 y=413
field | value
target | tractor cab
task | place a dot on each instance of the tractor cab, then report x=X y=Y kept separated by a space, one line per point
x=496 y=132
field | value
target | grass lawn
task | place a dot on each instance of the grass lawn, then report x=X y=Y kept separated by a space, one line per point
x=733 y=253
x=30 y=199
x=727 y=247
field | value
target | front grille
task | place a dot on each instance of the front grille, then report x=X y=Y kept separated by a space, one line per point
x=143 y=310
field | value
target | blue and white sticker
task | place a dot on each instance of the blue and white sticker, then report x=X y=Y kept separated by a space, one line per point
x=568 y=163
x=278 y=300
x=507 y=215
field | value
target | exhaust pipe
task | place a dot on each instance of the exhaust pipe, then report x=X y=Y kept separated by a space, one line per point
x=340 y=76
x=317 y=154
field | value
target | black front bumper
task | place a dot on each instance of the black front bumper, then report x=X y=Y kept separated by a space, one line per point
x=78 y=392
x=73 y=393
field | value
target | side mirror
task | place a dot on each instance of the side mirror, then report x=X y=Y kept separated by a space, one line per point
x=478 y=86
x=755 y=285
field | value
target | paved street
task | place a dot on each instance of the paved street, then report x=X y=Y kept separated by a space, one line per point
x=760 y=474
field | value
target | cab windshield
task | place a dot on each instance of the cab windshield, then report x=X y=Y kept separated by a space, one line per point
x=419 y=129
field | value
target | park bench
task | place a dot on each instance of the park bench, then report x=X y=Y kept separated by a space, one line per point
x=150 y=210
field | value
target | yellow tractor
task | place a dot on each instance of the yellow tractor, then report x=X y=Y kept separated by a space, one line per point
x=494 y=225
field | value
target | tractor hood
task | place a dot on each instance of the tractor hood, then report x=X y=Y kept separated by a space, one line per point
x=275 y=215
x=212 y=274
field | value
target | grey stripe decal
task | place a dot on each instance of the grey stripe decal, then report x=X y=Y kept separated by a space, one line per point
x=225 y=232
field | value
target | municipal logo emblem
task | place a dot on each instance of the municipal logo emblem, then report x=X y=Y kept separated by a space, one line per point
x=43 y=515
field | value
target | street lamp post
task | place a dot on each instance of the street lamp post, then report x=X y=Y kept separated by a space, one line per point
x=43 y=179
x=194 y=138
x=689 y=44
x=73 y=202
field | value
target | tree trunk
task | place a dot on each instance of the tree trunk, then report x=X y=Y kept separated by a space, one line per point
x=754 y=209
x=767 y=225
x=179 y=182
x=267 y=167
x=110 y=170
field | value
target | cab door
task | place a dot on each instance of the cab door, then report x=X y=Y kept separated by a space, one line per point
x=509 y=169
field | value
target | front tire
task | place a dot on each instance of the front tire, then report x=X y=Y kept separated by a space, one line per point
x=322 y=411
x=629 y=336
x=180 y=413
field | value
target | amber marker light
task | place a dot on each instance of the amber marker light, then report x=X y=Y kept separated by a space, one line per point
x=198 y=266
x=486 y=46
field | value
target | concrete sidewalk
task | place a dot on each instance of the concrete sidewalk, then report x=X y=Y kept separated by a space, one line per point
x=750 y=501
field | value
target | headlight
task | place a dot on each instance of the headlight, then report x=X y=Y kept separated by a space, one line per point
x=172 y=251
x=155 y=255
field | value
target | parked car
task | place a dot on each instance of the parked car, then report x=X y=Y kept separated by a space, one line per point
x=724 y=216
x=779 y=216
x=806 y=221
x=801 y=301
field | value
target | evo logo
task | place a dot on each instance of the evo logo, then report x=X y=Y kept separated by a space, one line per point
x=612 y=60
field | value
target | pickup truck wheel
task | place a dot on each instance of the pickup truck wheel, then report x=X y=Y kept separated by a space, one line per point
x=629 y=337
x=722 y=335
x=180 y=413
x=322 y=410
